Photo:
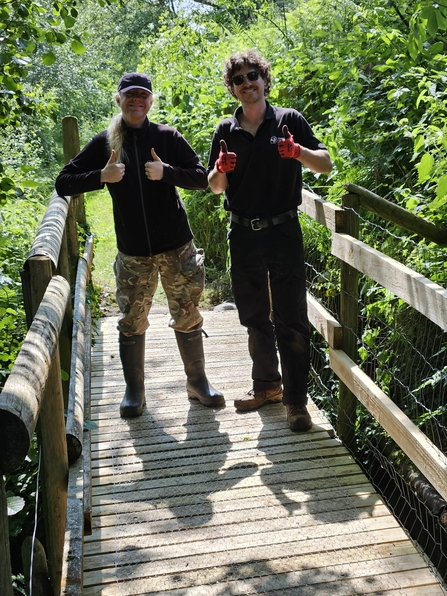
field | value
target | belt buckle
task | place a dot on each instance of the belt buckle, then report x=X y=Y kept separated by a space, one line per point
x=253 y=223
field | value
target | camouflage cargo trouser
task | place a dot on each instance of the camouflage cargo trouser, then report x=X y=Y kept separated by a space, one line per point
x=182 y=275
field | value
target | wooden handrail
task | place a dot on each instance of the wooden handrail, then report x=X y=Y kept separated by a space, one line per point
x=421 y=293
x=398 y=215
x=20 y=400
x=75 y=411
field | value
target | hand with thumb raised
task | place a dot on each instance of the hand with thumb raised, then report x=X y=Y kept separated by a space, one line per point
x=154 y=169
x=112 y=171
x=287 y=147
x=226 y=162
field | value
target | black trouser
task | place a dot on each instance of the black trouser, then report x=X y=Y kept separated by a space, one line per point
x=274 y=253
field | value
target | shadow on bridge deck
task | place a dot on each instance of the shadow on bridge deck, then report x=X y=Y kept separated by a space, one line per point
x=193 y=501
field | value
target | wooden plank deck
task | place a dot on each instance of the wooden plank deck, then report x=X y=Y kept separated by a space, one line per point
x=189 y=501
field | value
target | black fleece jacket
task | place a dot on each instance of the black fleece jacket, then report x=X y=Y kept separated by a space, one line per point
x=150 y=217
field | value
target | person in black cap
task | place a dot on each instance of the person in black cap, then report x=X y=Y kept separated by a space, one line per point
x=142 y=163
x=256 y=159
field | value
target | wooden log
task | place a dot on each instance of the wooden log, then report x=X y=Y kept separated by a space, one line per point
x=328 y=214
x=51 y=434
x=73 y=547
x=87 y=444
x=421 y=451
x=63 y=269
x=5 y=557
x=49 y=236
x=41 y=585
x=75 y=412
x=322 y=320
x=349 y=314
x=426 y=296
x=398 y=215
x=72 y=232
x=21 y=398
x=35 y=281
x=70 y=136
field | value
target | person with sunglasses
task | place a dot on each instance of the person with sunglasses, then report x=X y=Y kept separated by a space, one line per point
x=256 y=159
x=142 y=163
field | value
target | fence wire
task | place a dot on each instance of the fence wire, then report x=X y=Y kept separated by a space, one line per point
x=405 y=354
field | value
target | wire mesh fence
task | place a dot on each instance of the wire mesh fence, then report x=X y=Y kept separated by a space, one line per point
x=405 y=354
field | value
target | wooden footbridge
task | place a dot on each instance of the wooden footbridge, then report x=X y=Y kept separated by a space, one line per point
x=192 y=501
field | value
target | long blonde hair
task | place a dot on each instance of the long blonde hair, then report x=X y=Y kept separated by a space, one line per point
x=115 y=137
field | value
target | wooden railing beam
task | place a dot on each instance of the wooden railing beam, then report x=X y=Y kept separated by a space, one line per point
x=75 y=412
x=398 y=215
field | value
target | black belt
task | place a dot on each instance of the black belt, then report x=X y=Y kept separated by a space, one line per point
x=257 y=224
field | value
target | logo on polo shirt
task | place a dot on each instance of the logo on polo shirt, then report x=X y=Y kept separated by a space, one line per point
x=275 y=140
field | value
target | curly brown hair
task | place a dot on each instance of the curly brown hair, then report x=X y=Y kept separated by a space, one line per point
x=250 y=58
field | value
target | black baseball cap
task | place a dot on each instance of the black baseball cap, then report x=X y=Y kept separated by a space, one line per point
x=134 y=80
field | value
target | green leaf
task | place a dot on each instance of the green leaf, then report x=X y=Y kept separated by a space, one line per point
x=9 y=83
x=438 y=203
x=77 y=46
x=441 y=188
x=90 y=425
x=15 y=504
x=48 y=58
x=411 y=204
x=441 y=17
x=432 y=23
x=425 y=167
x=436 y=48
x=418 y=143
x=29 y=183
x=69 y=22
x=7 y=183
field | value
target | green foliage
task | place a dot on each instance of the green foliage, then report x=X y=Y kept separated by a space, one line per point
x=27 y=29
x=20 y=487
x=18 y=222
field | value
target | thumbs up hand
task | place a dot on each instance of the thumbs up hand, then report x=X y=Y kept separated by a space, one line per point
x=226 y=161
x=112 y=171
x=154 y=169
x=287 y=147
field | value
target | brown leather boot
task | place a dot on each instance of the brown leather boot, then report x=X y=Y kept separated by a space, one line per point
x=132 y=360
x=190 y=346
x=298 y=418
x=256 y=398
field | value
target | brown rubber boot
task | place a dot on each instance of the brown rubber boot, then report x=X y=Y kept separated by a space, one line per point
x=256 y=398
x=190 y=346
x=298 y=418
x=132 y=360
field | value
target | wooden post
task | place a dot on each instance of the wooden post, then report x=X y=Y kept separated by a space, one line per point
x=70 y=135
x=5 y=557
x=51 y=432
x=40 y=582
x=76 y=212
x=347 y=406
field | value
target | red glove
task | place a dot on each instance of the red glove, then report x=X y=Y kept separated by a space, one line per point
x=227 y=160
x=287 y=147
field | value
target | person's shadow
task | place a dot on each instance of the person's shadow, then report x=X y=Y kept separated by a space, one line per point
x=182 y=474
x=304 y=463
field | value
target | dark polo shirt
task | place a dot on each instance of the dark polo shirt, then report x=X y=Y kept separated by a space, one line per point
x=263 y=183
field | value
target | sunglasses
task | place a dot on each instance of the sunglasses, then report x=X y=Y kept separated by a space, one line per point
x=253 y=75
